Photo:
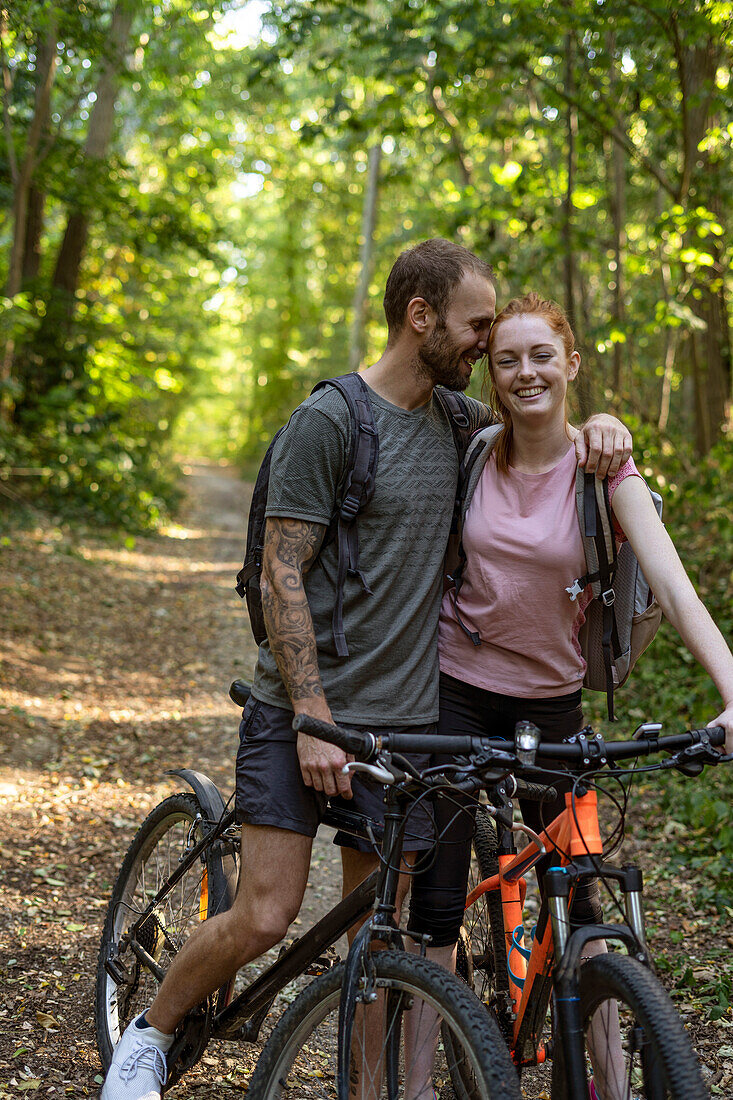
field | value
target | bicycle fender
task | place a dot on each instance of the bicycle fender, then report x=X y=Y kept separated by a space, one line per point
x=205 y=790
x=568 y=967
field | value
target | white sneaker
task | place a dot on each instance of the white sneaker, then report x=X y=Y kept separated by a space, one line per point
x=138 y=1070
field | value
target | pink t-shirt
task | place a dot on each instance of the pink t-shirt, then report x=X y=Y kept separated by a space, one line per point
x=523 y=548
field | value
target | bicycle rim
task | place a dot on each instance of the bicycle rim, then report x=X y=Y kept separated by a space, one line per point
x=301 y=1062
x=475 y=960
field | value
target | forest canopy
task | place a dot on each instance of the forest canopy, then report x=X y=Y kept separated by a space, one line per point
x=199 y=206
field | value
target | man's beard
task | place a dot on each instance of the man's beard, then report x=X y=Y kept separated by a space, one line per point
x=440 y=360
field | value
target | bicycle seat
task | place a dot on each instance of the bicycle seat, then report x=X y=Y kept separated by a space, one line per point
x=239 y=692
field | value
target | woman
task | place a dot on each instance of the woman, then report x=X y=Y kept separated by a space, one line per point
x=523 y=547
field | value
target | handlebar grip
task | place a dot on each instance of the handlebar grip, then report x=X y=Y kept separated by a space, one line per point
x=715 y=733
x=359 y=745
x=239 y=692
x=535 y=792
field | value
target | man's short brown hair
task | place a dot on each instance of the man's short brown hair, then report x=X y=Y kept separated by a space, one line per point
x=431 y=270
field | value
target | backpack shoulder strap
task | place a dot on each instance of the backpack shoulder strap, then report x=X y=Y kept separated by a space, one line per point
x=477 y=454
x=456 y=409
x=358 y=490
x=252 y=563
x=599 y=544
x=596 y=530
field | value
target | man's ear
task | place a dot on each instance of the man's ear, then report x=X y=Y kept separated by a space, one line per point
x=419 y=315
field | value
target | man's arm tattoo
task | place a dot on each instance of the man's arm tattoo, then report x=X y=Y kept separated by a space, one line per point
x=291 y=547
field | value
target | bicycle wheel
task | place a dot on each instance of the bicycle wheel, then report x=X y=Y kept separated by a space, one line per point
x=483 y=922
x=299 y=1061
x=167 y=833
x=654 y=1060
x=483 y=929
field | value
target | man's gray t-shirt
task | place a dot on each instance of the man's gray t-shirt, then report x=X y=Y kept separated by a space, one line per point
x=391 y=674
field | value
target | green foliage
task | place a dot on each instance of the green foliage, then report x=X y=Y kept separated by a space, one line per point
x=222 y=242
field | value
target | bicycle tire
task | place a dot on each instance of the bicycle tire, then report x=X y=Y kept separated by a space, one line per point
x=482 y=931
x=299 y=1058
x=491 y=922
x=204 y=890
x=659 y=1062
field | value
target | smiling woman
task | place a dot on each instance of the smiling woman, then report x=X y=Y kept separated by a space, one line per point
x=517 y=569
x=508 y=638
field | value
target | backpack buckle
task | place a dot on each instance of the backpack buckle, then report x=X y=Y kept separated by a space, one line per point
x=349 y=508
x=608 y=597
x=574 y=590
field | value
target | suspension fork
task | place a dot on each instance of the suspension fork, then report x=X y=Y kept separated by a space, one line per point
x=380 y=925
x=558 y=886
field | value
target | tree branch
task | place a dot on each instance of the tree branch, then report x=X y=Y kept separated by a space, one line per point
x=612 y=128
x=444 y=112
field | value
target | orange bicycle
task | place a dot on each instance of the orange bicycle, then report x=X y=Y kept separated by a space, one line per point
x=607 y=1009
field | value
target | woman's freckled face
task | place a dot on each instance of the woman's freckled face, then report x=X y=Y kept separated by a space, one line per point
x=530 y=366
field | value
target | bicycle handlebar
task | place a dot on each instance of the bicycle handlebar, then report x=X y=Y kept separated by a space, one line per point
x=583 y=752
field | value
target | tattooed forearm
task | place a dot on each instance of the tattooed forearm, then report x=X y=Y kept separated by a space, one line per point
x=291 y=547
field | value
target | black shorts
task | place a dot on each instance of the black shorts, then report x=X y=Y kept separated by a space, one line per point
x=271 y=791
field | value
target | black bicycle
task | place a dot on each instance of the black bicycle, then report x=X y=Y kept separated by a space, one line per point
x=365 y=1027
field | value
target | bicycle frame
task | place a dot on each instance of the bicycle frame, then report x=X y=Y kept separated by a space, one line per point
x=554 y=958
x=243 y=1016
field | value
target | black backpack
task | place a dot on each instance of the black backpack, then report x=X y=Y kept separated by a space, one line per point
x=358 y=490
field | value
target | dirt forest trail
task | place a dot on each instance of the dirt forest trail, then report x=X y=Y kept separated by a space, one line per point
x=116 y=663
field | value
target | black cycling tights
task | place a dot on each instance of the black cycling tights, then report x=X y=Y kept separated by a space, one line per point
x=439 y=890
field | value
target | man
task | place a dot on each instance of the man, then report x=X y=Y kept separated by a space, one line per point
x=439 y=303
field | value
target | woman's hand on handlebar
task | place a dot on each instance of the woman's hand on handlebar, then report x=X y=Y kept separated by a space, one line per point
x=725 y=719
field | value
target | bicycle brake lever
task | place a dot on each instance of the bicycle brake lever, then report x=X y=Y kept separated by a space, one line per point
x=374 y=771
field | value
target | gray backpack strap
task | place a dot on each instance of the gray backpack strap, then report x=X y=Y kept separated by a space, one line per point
x=454 y=404
x=477 y=455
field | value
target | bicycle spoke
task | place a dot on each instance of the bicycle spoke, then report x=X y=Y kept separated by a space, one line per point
x=397 y=1052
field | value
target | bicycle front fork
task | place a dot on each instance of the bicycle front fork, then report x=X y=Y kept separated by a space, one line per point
x=568 y=947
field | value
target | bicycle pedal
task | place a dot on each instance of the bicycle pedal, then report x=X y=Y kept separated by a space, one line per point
x=324 y=962
x=117 y=970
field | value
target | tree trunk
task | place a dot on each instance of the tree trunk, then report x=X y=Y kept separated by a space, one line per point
x=366 y=254
x=34 y=232
x=615 y=158
x=99 y=136
x=24 y=206
x=700 y=185
x=22 y=183
x=47 y=363
x=583 y=384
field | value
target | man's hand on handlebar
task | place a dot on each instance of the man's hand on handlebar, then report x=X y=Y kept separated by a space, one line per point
x=322 y=764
